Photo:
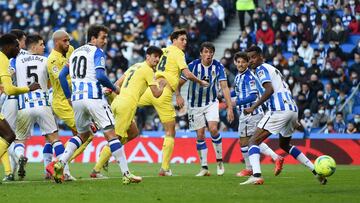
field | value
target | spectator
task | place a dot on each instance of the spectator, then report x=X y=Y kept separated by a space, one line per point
x=356 y=66
x=354 y=26
x=315 y=84
x=294 y=86
x=339 y=124
x=330 y=109
x=320 y=118
x=302 y=104
x=303 y=76
x=351 y=128
x=329 y=128
x=329 y=92
x=334 y=60
x=243 y=6
x=219 y=12
x=306 y=52
x=307 y=120
x=337 y=32
x=319 y=101
x=318 y=33
x=265 y=34
x=357 y=122
x=244 y=41
x=314 y=68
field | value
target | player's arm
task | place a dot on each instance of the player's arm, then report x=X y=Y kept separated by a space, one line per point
x=120 y=81
x=157 y=91
x=64 y=83
x=269 y=90
x=226 y=92
x=179 y=99
x=190 y=76
x=104 y=80
x=10 y=89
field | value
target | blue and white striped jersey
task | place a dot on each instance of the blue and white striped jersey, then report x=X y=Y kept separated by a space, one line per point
x=281 y=99
x=246 y=83
x=202 y=96
x=31 y=68
x=83 y=63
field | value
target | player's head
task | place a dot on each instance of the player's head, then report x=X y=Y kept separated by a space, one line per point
x=153 y=55
x=9 y=45
x=21 y=36
x=179 y=38
x=241 y=60
x=97 y=35
x=255 y=56
x=207 y=51
x=61 y=41
x=35 y=44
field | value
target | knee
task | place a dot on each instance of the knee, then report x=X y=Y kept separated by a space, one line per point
x=200 y=136
x=214 y=131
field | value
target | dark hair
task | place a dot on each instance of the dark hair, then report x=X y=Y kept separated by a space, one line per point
x=95 y=30
x=7 y=39
x=242 y=55
x=32 y=39
x=207 y=45
x=177 y=33
x=339 y=113
x=18 y=33
x=254 y=48
x=154 y=50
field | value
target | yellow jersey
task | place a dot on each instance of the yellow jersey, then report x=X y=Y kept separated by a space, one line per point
x=137 y=79
x=4 y=65
x=55 y=64
x=171 y=63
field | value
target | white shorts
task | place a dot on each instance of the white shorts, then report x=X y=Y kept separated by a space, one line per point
x=248 y=124
x=9 y=110
x=282 y=122
x=199 y=115
x=26 y=118
x=92 y=109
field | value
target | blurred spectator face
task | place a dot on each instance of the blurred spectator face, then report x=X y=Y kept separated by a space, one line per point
x=302 y=70
x=357 y=58
x=328 y=66
x=274 y=18
x=304 y=44
x=330 y=127
x=303 y=18
x=291 y=61
x=183 y=4
x=209 y=12
x=313 y=78
x=276 y=61
x=283 y=28
x=350 y=127
x=328 y=87
x=339 y=117
x=321 y=110
x=264 y=26
x=112 y=77
x=305 y=87
x=320 y=95
x=119 y=73
x=307 y=113
x=357 y=118
x=332 y=44
x=332 y=101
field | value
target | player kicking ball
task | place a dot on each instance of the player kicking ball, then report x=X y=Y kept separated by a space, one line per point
x=282 y=117
x=246 y=91
x=204 y=105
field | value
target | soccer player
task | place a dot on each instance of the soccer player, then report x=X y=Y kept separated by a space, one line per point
x=9 y=48
x=59 y=57
x=33 y=107
x=246 y=92
x=204 y=105
x=282 y=117
x=87 y=73
x=10 y=111
x=133 y=84
x=172 y=64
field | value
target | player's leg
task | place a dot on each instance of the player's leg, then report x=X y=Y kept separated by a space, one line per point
x=47 y=156
x=244 y=141
x=202 y=151
x=7 y=136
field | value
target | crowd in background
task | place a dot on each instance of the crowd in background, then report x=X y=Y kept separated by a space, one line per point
x=308 y=41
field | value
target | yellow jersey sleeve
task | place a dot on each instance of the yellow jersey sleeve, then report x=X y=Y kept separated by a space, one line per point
x=149 y=76
x=4 y=65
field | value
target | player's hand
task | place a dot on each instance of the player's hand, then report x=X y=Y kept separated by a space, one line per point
x=230 y=115
x=203 y=83
x=248 y=110
x=180 y=101
x=117 y=91
x=34 y=86
x=107 y=91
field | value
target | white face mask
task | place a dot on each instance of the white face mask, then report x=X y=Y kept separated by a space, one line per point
x=286 y=72
x=291 y=63
x=302 y=72
x=276 y=63
x=264 y=27
x=323 y=17
x=357 y=120
x=331 y=102
x=291 y=81
x=273 y=18
x=321 y=111
x=351 y=2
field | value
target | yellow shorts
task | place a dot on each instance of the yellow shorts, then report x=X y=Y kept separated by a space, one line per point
x=124 y=112
x=163 y=105
x=1 y=117
x=65 y=113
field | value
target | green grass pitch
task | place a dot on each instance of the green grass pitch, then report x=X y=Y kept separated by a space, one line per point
x=294 y=184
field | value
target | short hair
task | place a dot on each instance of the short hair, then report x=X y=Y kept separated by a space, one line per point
x=207 y=45
x=18 y=33
x=177 y=33
x=154 y=50
x=339 y=113
x=242 y=55
x=7 y=39
x=254 y=48
x=95 y=30
x=32 y=39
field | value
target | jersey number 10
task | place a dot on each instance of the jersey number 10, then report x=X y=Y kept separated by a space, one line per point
x=79 y=67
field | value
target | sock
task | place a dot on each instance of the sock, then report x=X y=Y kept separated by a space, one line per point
x=202 y=150
x=6 y=162
x=167 y=150
x=245 y=153
x=298 y=155
x=47 y=154
x=81 y=148
x=12 y=157
x=117 y=150
x=3 y=146
x=71 y=146
x=19 y=150
x=105 y=155
x=266 y=150
x=254 y=158
x=217 y=143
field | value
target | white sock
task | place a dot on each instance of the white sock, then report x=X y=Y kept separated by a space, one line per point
x=266 y=150
x=217 y=143
x=13 y=158
x=203 y=156
x=245 y=154
x=254 y=158
x=117 y=150
x=304 y=160
x=19 y=150
x=73 y=144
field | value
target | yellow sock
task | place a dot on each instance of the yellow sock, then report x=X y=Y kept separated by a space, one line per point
x=81 y=148
x=3 y=146
x=105 y=155
x=168 y=147
x=6 y=162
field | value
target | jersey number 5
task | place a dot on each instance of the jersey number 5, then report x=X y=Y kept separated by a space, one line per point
x=30 y=75
x=79 y=68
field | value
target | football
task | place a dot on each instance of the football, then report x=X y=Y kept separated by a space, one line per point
x=325 y=165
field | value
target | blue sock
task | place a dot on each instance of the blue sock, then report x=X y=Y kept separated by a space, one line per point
x=58 y=148
x=294 y=151
x=47 y=154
